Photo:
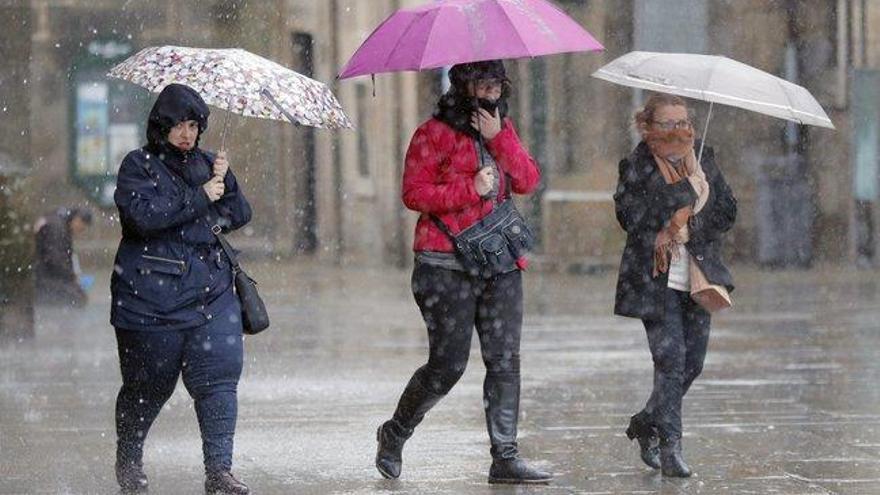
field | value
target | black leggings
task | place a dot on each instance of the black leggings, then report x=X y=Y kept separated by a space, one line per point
x=452 y=304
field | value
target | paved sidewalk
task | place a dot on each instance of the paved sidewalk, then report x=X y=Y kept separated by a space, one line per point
x=788 y=402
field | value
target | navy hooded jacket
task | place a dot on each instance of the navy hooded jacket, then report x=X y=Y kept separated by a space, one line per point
x=170 y=272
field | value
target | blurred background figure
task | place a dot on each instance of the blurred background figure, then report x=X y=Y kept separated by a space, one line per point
x=58 y=278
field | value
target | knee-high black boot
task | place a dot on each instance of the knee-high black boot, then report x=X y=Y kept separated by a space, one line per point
x=501 y=399
x=414 y=403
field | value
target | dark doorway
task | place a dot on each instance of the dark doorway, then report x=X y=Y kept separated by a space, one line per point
x=303 y=175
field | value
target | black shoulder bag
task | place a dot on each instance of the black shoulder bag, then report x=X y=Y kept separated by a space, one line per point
x=492 y=245
x=254 y=317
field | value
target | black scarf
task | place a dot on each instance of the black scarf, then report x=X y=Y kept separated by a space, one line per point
x=455 y=109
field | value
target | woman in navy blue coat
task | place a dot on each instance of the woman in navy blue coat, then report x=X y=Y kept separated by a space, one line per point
x=173 y=308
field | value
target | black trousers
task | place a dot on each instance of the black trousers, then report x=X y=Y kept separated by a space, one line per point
x=453 y=303
x=678 y=345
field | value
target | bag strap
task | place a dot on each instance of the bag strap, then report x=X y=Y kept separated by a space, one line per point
x=443 y=227
x=227 y=248
x=481 y=148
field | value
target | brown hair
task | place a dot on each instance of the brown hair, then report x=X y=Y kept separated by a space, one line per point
x=646 y=115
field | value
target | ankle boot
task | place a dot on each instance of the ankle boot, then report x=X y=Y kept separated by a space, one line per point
x=649 y=443
x=389 y=456
x=671 y=461
x=501 y=397
x=131 y=477
x=223 y=483
x=414 y=403
x=516 y=472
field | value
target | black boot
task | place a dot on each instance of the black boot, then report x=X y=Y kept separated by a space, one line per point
x=389 y=456
x=649 y=443
x=414 y=403
x=517 y=472
x=501 y=397
x=671 y=462
x=223 y=483
x=131 y=477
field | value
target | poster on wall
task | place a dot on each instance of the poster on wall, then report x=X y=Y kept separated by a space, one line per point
x=122 y=139
x=91 y=128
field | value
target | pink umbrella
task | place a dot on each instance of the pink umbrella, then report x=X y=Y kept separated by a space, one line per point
x=459 y=31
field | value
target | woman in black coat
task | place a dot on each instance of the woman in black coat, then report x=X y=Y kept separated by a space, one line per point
x=173 y=308
x=674 y=212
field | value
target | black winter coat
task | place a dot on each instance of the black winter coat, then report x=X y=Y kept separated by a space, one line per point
x=170 y=272
x=644 y=203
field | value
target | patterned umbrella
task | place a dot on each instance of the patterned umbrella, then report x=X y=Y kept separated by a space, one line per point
x=237 y=81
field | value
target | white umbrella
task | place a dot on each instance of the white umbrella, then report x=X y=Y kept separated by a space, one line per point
x=716 y=79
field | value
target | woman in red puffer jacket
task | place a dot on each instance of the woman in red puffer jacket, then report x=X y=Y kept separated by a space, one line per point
x=446 y=179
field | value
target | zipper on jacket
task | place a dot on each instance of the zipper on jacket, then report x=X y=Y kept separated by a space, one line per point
x=166 y=260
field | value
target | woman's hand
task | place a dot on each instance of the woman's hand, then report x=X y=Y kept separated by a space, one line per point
x=484 y=181
x=214 y=188
x=489 y=125
x=221 y=165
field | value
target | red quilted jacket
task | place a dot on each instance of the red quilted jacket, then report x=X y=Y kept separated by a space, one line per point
x=438 y=179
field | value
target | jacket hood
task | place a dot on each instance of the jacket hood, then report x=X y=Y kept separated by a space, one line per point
x=176 y=103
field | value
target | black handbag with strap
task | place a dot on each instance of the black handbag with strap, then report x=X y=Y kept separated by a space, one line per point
x=254 y=317
x=492 y=245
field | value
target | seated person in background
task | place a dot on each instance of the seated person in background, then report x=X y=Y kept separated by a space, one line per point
x=56 y=265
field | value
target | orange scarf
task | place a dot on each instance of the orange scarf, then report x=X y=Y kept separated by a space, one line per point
x=676 y=231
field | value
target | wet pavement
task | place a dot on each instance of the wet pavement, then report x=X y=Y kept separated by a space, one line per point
x=788 y=402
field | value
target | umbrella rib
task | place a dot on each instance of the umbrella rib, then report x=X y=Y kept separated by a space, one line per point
x=790 y=103
x=510 y=21
x=428 y=39
x=392 y=52
x=711 y=76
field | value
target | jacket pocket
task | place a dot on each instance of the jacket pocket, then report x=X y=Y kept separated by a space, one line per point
x=149 y=264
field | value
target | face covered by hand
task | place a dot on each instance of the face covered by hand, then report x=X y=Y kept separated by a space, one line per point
x=671 y=144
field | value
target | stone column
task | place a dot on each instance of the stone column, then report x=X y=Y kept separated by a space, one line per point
x=16 y=237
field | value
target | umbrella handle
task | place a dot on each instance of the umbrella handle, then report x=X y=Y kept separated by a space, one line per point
x=705 y=130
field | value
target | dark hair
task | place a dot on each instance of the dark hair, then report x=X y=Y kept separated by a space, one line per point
x=461 y=74
x=646 y=115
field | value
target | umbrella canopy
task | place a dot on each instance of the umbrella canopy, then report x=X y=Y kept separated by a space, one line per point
x=717 y=80
x=460 y=31
x=237 y=81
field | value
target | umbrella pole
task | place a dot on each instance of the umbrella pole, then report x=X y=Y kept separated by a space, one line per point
x=225 y=128
x=705 y=130
x=267 y=95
